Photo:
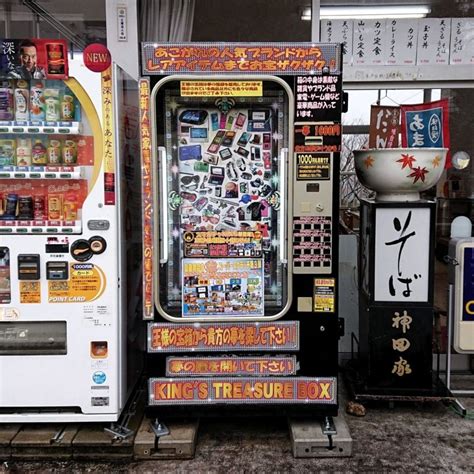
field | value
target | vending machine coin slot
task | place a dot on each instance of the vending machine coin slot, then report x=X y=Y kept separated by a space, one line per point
x=57 y=270
x=29 y=267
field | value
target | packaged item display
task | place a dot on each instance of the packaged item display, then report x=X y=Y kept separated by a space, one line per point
x=6 y=100
x=51 y=100
x=37 y=100
x=22 y=100
x=23 y=152
x=69 y=152
x=7 y=152
x=70 y=207
x=54 y=152
x=56 y=59
x=39 y=207
x=55 y=207
x=67 y=107
x=39 y=154
x=25 y=208
x=10 y=206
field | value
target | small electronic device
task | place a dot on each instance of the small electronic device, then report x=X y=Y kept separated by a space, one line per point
x=193 y=117
x=216 y=142
x=214 y=121
x=198 y=134
x=217 y=175
x=190 y=152
x=244 y=139
x=242 y=152
x=228 y=138
x=225 y=153
x=239 y=123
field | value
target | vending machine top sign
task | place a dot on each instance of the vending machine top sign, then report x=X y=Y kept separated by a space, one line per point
x=244 y=58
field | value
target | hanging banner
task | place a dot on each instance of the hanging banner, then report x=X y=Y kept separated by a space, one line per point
x=384 y=126
x=426 y=126
x=107 y=117
x=200 y=391
x=33 y=59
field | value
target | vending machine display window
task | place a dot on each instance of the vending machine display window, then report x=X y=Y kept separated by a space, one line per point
x=222 y=189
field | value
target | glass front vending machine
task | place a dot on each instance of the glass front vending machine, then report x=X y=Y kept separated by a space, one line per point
x=240 y=162
x=64 y=332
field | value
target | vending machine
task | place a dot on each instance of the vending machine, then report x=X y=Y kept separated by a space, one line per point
x=240 y=160
x=63 y=285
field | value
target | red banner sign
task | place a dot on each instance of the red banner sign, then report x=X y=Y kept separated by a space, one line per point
x=205 y=337
x=243 y=390
x=184 y=366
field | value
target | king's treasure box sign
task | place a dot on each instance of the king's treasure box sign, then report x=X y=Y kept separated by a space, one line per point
x=208 y=337
x=33 y=59
x=225 y=365
x=242 y=390
x=249 y=58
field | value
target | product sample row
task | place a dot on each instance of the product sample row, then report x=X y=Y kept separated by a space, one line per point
x=38 y=151
x=48 y=101
x=39 y=207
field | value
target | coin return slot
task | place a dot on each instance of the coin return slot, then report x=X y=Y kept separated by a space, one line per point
x=312 y=188
x=57 y=270
x=28 y=267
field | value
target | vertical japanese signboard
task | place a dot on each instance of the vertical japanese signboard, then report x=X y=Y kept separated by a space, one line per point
x=462 y=41
x=433 y=41
x=402 y=255
x=107 y=117
x=369 y=42
x=401 y=41
x=384 y=126
x=339 y=31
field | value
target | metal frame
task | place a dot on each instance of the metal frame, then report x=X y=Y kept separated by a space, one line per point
x=157 y=216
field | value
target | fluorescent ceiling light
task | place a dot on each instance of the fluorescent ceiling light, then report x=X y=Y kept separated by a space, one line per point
x=334 y=13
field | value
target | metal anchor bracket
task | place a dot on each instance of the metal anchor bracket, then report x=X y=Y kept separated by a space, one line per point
x=160 y=429
x=329 y=429
x=119 y=431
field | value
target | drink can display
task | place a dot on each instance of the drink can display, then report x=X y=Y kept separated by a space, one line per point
x=69 y=152
x=7 y=152
x=25 y=208
x=37 y=109
x=67 y=108
x=52 y=109
x=23 y=152
x=54 y=152
x=6 y=100
x=39 y=154
x=22 y=101
x=39 y=207
x=55 y=207
x=55 y=58
x=10 y=206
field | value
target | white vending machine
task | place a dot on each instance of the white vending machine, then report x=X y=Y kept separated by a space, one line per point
x=67 y=331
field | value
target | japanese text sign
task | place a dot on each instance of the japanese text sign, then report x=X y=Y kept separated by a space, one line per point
x=207 y=366
x=244 y=58
x=462 y=41
x=208 y=337
x=402 y=254
x=433 y=41
x=384 y=126
x=426 y=126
